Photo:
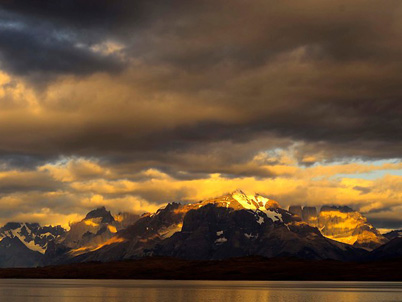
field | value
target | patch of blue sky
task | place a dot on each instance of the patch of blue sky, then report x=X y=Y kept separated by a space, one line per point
x=372 y=175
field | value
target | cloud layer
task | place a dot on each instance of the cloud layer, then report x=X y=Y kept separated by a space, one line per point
x=96 y=93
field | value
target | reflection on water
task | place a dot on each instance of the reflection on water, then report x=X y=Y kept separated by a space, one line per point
x=183 y=291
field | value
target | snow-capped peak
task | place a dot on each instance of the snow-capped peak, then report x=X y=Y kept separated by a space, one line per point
x=254 y=202
x=246 y=201
x=257 y=202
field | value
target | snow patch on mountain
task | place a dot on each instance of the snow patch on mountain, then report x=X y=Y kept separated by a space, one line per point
x=257 y=203
x=221 y=240
x=274 y=216
x=260 y=220
x=254 y=202
x=244 y=200
x=32 y=235
x=250 y=236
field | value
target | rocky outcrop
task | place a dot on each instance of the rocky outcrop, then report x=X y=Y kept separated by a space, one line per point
x=343 y=224
x=97 y=228
x=296 y=210
x=104 y=215
x=346 y=225
x=310 y=216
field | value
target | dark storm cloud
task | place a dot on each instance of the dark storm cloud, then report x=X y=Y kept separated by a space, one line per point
x=386 y=223
x=22 y=161
x=42 y=36
x=70 y=12
x=363 y=190
x=27 y=51
x=103 y=15
x=323 y=74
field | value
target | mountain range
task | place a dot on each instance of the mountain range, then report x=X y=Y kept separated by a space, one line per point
x=229 y=226
x=342 y=224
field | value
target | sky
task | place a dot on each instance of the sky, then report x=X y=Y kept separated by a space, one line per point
x=132 y=104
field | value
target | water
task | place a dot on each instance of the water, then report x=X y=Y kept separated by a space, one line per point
x=27 y=290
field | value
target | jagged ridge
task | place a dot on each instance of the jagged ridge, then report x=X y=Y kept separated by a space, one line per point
x=233 y=225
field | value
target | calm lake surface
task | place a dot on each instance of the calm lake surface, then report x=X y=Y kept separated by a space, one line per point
x=14 y=290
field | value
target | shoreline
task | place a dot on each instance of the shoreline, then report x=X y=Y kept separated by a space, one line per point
x=237 y=269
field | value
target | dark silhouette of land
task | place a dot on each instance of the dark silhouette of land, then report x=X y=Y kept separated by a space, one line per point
x=249 y=268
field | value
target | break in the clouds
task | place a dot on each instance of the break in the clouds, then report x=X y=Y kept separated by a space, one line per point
x=135 y=103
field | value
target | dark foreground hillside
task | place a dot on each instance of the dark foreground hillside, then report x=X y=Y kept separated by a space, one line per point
x=251 y=268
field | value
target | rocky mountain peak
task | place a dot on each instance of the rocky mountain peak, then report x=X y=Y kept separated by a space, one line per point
x=100 y=213
x=341 y=223
x=32 y=235
x=240 y=200
x=97 y=228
